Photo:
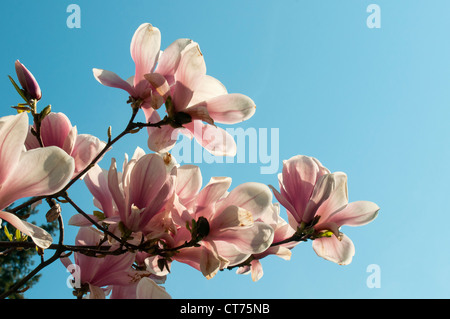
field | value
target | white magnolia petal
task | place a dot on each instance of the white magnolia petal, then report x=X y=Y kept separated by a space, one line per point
x=42 y=171
x=170 y=58
x=252 y=196
x=145 y=49
x=230 y=108
x=192 y=67
x=39 y=236
x=111 y=79
x=13 y=132
x=208 y=88
x=148 y=289
x=340 y=251
x=189 y=181
x=356 y=214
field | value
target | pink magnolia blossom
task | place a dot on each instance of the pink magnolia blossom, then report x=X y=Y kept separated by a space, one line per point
x=234 y=232
x=204 y=100
x=57 y=130
x=23 y=173
x=179 y=72
x=282 y=231
x=309 y=191
x=96 y=272
x=146 y=54
x=140 y=196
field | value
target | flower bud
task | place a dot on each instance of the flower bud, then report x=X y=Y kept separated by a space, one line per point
x=53 y=213
x=27 y=81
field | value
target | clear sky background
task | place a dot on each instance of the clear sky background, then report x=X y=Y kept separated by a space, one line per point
x=373 y=103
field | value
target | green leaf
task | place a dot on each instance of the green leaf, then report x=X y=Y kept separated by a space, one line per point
x=7 y=233
x=99 y=215
x=18 y=89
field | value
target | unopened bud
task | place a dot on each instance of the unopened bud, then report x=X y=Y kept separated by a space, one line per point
x=46 y=111
x=53 y=213
x=27 y=81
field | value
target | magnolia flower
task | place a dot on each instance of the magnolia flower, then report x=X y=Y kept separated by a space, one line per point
x=56 y=130
x=43 y=171
x=282 y=231
x=315 y=197
x=27 y=81
x=202 y=101
x=145 y=52
x=23 y=173
x=179 y=72
x=233 y=232
x=139 y=196
x=91 y=272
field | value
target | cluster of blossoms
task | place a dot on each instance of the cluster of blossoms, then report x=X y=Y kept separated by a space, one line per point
x=153 y=211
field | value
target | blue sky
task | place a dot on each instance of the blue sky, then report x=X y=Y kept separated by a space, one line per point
x=373 y=103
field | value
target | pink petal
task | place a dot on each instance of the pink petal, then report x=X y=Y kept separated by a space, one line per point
x=230 y=108
x=170 y=58
x=31 y=140
x=110 y=270
x=232 y=216
x=191 y=67
x=111 y=79
x=69 y=142
x=97 y=182
x=210 y=194
x=181 y=96
x=54 y=129
x=161 y=139
x=210 y=261
x=356 y=214
x=189 y=182
x=51 y=170
x=329 y=196
x=39 y=236
x=199 y=112
x=81 y=221
x=335 y=250
x=116 y=189
x=148 y=289
x=257 y=270
x=13 y=132
x=189 y=74
x=86 y=148
x=159 y=83
x=150 y=167
x=144 y=48
x=249 y=240
x=286 y=204
x=208 y=88
x=215 y=140
x=252 y=196
x=299 y=175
